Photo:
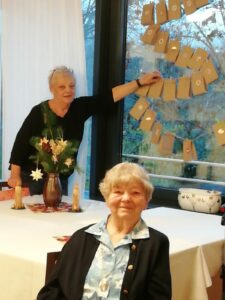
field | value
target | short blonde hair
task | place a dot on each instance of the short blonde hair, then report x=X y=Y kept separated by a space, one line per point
x=59 y=70
x=124 y=173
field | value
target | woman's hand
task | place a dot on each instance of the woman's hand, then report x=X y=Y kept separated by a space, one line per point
x=15 y=178
x=123 y=90
x=149 y=78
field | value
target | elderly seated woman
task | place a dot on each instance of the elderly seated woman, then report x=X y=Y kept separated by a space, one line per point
x=120 y=257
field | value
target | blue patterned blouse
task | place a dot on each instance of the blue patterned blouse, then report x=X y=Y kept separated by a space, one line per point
x=105 y=276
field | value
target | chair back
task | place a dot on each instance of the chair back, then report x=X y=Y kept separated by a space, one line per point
x=3 y=184
x=50 y=263
x=7 y=193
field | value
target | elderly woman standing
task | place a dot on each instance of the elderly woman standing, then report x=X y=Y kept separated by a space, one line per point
x=120 y=257
x=69 y=113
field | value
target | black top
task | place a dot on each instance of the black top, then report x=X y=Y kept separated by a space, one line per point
x=72 y=124
x=149 y=279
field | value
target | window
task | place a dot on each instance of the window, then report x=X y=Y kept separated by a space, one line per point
x=191 y=119
x=88 y=7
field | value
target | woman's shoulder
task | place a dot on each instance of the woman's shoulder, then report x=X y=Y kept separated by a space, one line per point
x=158 y=234
x=80 y=233
x=37 y=107
x=78 y=239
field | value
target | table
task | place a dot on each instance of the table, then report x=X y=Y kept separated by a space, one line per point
x=196 y=246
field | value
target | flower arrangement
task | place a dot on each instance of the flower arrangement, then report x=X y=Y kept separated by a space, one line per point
x=55 y=155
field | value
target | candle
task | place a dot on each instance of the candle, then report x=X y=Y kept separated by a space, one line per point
x=76 y=198
x=18 y=204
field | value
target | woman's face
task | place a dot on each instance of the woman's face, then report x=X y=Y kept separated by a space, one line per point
x=63 y=88
x=127 y=200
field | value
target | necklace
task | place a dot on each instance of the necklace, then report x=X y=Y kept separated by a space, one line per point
x=104 y=281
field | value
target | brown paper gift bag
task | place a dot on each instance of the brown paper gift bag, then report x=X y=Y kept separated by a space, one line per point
x=219 y=131
x=184 y=88
x=172 y=50
x=161 y=12
x=147 y=120
x=184 y=57
x=161 y=41
x=200 y=3
x=197 y=59
x=197 y=84
x=174 y=9
x=150 y=34
x=165 y=146
x=147 y=17
x=194 y=152
x=209 y=72
x=169 y=90
x=189 y=152
x=189 y=6
x=139 y=108
x=156 y=132
x=142 y=91
x=155 y=89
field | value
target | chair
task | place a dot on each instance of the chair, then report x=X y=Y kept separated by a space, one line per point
x=51 y=261
x=7 y=193
x=3 y=184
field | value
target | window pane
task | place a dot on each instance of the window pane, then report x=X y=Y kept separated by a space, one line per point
x=88 y=7
x=189 y=119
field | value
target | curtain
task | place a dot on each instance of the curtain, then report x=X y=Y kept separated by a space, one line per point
x=37 y=36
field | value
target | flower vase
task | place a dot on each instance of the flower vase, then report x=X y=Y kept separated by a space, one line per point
x=52 y=191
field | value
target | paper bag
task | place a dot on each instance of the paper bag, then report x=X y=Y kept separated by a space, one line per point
x=147 y=120
x=189 y=6
x=209 y=72
x=156 y=132
x=147 y=17
x=197 y=84
x=184 y=57
x=172 y=50
x=219 y=131
x=197 y=59
x=155 y=89
x=139 y=108
x=142 y=91
x=165 y=146
x=174 y=10
x=169 y=90
x=200 y=3
x=189 y=152
x=150 y=34
x=184 y=88
x=194 y=152
x=161 y=12
x=161 y=41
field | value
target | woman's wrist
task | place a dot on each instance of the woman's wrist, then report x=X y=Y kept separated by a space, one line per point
x=138 y=82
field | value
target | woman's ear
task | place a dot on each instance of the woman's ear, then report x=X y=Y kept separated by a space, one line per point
x=51 y=88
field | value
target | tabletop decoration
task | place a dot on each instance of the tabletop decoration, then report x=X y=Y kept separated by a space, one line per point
x=62 y=238
x=76 y=199
x=18 y=204
x=42 y=208
x=55 y=155
x=200 y=200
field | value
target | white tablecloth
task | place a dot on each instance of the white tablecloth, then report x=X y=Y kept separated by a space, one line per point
x=196 y=242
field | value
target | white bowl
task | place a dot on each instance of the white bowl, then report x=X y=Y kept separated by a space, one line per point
x=199 y=200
